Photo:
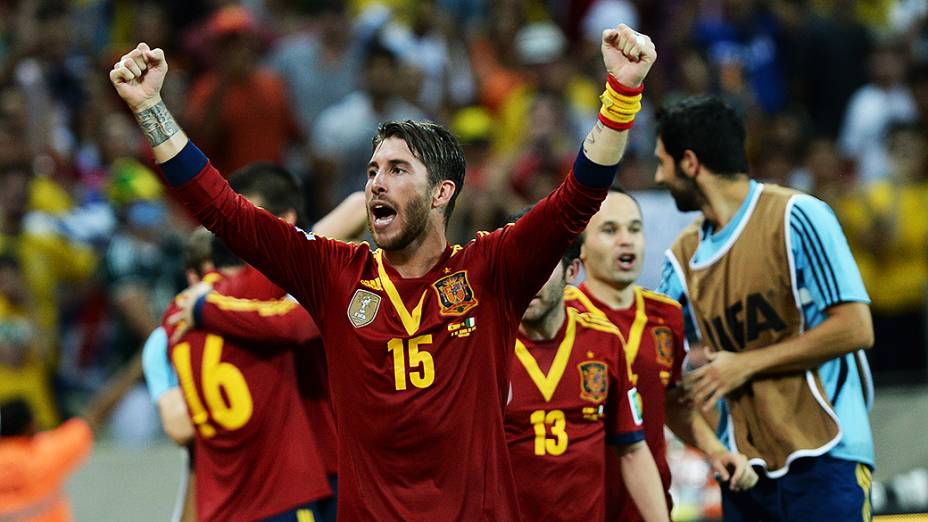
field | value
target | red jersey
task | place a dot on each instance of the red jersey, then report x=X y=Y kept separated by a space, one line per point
x=280 y=320
x=419 y=366
x=570 y=397
x=256 y=456
x=652 y=331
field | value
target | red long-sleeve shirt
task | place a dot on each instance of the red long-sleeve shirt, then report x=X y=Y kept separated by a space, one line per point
x=419 y=366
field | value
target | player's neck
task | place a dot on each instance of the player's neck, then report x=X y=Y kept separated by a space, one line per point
x=615 y=297
x=420 y=256
x=723 y=198
x=546 y=327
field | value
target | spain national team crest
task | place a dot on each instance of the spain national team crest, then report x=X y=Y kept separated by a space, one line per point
x=455 y=296
x=594 y=380
x=363 y=308
x=663 y=345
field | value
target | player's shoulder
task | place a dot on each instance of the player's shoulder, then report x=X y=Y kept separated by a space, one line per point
x=595 y=322
x=577 y=299
x=659 y=302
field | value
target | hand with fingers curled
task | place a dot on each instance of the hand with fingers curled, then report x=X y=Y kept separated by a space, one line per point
x=734 y=470
x=628 y=55
x=723 y=373
x=139 y=75
x=183 y=319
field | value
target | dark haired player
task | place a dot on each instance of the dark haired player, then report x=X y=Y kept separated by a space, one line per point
x=572 y=402
x=420 y=410
x=769 y=285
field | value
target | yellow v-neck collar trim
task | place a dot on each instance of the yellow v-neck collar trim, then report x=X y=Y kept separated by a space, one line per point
x=547 y=384
x=411 y=320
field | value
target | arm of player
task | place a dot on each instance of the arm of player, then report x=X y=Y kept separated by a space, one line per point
x=175 y=420
x=346 y=221
x=639 y=472
x=832 y=284
x=281 y=321
x=691 y=427
x=274 y=247
x=530 y=247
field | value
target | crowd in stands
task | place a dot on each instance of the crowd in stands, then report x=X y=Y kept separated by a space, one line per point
x=835 y=93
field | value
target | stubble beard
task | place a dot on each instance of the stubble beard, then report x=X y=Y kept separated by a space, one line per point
x=416 y=220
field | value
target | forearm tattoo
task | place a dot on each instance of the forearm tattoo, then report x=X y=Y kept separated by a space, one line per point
x=591 y=137
x=157 y=124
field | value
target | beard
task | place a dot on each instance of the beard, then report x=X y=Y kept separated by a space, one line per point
x=415 y=219
x=550 y=299
x=686 y=194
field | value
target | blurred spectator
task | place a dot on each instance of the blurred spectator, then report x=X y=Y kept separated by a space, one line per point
x=493 y=55
x=321 y=61
x=542 y=51
x=342 y=135
x=483 y=208
x=23 y=368
x=546 y=155
x=143 y=267
x=889 y=236
x=873 y=107
x=823 y=173
x=428 y=45
x=828 y=66
x=741 y=41
x=239 y=113
x=34 y=466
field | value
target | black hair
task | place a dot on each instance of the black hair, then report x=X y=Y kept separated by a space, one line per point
x=15 y=418
x=198 y=250
x=278 y=189
x=435 y=146
x=376 y=50
x=223 y=256
x=707 y=126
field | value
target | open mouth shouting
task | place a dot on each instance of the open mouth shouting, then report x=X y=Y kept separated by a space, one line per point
x=626 y=262
x=382 y=214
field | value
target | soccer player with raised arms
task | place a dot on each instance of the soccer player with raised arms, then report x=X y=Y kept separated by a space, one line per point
x=419 y=409
x=572 y=402
x=769 y=285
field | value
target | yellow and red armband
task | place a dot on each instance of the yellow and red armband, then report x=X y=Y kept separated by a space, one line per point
x=620 y=104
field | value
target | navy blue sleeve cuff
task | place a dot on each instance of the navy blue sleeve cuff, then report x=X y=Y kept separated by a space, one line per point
x=593 y=175
x=185 y=166
x=198 y=311
x=625 y=439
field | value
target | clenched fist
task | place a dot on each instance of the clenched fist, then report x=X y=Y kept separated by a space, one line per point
x=628 y=55
x=139 y=75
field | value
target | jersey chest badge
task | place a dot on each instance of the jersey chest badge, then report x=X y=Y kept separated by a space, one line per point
x=455 y=296
x=594 y=381
x=663 y=345
x=363 y=308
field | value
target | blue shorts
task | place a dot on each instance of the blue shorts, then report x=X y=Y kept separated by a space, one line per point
x=305 y=513
x=823 y=489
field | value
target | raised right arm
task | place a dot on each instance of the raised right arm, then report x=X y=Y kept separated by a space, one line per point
x=279 y=250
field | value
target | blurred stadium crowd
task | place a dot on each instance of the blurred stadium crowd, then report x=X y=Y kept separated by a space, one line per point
x=835 y=93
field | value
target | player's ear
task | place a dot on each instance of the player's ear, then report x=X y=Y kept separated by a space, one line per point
x=689 y=164
x=573 y=271
x=442 y=193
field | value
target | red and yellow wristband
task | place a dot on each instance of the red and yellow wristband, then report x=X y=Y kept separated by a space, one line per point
x=620 y=104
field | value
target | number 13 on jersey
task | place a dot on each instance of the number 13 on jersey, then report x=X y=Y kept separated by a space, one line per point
x=421 y=367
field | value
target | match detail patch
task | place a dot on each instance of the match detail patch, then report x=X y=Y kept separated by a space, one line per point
x=363 y=308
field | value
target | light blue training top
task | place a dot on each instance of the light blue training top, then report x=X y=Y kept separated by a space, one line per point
x=825 y=274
